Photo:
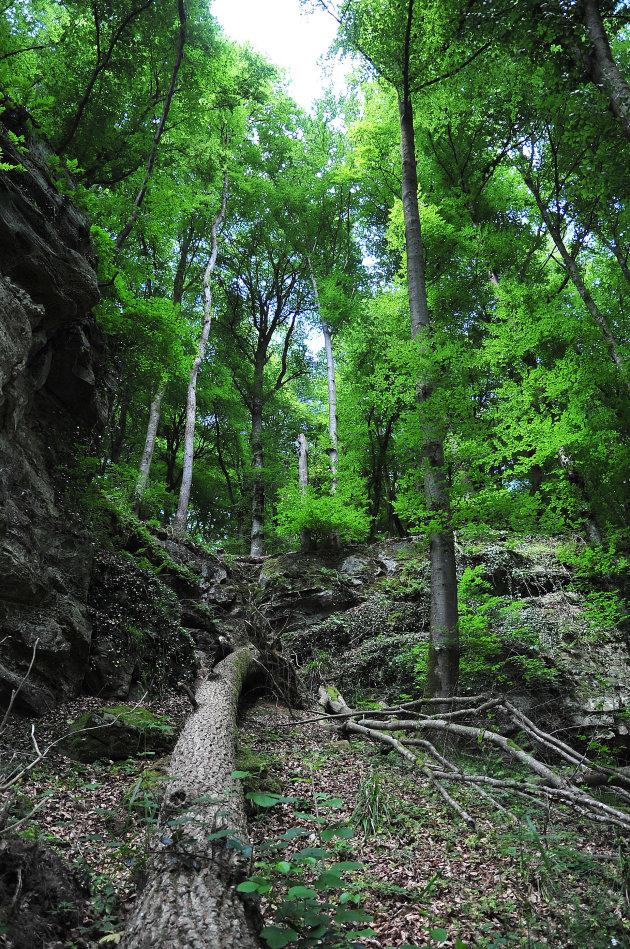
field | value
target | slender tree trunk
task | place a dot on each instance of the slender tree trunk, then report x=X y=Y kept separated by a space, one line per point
x=190 y=899
x=603 y=68
x=126 y=231
x=574 y=271
x=119 y=433
x=257 y=546
x=156 y=405
x=179 y=521
x=149 y=446
x=333 y=451
x=305 y=534
x=443 y=660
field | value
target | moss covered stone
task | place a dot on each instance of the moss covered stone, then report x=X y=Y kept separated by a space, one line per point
x=118 y=732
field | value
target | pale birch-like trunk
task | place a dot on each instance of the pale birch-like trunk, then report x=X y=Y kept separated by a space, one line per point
x=603 y=68
x=305 y=534
x=190 y=900
x=443 y=659
x=333 y=451
x=149 y=446
x=179 y=521
x=156 y=404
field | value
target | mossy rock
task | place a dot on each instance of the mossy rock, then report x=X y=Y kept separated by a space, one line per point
x=118 y=732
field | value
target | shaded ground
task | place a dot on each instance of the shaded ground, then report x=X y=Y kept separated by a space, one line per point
x=96 y=817
x=550 y=882
x=553 y=881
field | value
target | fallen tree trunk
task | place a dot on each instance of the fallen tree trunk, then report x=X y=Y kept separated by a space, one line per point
x=200 y=851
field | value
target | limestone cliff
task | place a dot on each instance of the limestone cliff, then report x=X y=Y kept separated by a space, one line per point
x=52 y=397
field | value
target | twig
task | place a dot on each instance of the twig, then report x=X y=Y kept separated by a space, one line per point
x=16 y=692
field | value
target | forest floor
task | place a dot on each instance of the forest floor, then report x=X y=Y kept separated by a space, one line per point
x=424 y=879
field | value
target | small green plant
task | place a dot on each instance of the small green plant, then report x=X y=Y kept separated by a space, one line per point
x=373 y=811
x=313 y=903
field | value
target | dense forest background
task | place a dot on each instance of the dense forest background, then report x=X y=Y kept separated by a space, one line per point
x=290 y=399
x=521 y=127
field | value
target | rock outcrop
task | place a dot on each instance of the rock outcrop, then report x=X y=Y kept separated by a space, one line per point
x=53 y=396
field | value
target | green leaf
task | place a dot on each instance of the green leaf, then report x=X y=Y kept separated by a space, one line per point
x=330 y=832
x=277 y=937
x=301 y=893
x=328 y=880
x=316 y=852
x=283 y=866
x=218 y=834
x=248 y=886
x=440 y=935
x=268 y=800
x=351 y=916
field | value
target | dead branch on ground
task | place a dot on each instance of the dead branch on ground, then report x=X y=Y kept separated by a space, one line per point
x=566 y=782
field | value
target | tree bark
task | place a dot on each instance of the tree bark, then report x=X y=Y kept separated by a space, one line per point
x=257 y=544
x=179 y=521
x=333 y=451
x=305 y=534
x=443 y=659
x=156 y=405
x=149 y=446
x=190 y=899
x=603 y=68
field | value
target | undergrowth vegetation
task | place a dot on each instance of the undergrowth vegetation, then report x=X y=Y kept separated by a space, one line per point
x=418 y=876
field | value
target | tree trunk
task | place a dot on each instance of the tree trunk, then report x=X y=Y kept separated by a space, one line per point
x=149 y=446
x=333 y=451
x=190 y=899
x=305 y=534
x=156 y=404
x=257 y=546
x=118 y=436
x=443 y=660
x=179 y=521
x=603 y=68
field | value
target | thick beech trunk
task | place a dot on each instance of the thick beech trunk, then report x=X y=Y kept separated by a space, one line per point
x=443 y=661
x=603 y=68
x=179 y=521
x=190 y=899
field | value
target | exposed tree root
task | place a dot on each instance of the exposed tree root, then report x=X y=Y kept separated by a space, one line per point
x=200 y=850
x=546 y=784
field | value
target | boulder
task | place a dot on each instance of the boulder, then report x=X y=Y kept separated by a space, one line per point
x=118 y=733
